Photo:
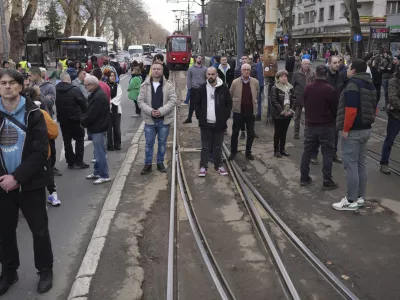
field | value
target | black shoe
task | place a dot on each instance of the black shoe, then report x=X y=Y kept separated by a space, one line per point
x=250 y=156
x=56 y=172
x=6 y=280
x=232 y=156
x=258 y=118
x=284 y=153
x=187 y=121
x=277 y=154
x=329 y=185
x=110 y=149
x=81 y=165
x=70 y=166
x=161 y=168
x=304 y=182
x=296 y=136
x=242 y=135
x=256 y=136
x=45 y=281
x=336 y=159
x=117 y=148
x=146 y=170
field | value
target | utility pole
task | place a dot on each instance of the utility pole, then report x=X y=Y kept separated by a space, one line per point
x=188 y=19
x=240 y=32
x=4 y=30
x=203 y=30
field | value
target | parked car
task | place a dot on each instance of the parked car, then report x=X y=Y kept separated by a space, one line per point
x=122 y=63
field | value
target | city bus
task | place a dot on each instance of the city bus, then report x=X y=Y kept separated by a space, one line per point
x=179 y=51
x=82 y=48
x=146 y=48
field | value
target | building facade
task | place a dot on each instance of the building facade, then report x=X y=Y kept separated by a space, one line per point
x=321 y=24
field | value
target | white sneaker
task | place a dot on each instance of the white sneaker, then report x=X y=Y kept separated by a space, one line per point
x=92 y=176
x=184 y=104
x=53 y=199
x=360 y=202
x=93 y=160
x=102 y=180
x=135 y=116
x=344 y=204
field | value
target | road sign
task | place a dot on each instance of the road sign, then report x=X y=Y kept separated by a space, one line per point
x=357 y=38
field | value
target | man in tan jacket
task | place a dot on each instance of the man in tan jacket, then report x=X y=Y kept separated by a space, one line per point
x=244 y=92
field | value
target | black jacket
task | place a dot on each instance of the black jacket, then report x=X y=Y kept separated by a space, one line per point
x=227 y=78
x=223 y=106
x=277 y=100
x=70 y=102
x=116 y=66
x=232 y=62
x=97 y=117
x=289 y=65
x=336 y=80
x=32 y=173
x=165 y=71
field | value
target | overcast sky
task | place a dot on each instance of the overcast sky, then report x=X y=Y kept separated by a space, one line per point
x=161 y=11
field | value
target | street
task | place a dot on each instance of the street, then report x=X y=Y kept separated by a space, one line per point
x=71 y=225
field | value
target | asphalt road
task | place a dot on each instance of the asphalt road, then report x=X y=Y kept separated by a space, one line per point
x=71 y=225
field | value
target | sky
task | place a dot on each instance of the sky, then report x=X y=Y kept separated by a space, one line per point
x=161 y=11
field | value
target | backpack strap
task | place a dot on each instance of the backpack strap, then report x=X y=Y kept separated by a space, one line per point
x=14 y=120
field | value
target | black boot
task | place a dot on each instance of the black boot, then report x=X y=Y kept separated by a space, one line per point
x=329 y=184
x=161 y=168
x=232 y=156
x=146 y=170
x=6 y=280
x=45 y=281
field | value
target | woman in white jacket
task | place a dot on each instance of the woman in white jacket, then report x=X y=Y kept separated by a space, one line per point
x=114 y=131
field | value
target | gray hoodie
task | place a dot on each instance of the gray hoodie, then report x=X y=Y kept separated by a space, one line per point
x=196 y=76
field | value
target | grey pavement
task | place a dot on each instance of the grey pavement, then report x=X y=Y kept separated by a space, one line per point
x=71 y=225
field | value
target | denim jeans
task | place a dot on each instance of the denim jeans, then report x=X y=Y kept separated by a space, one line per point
x=259 y=101
x=193 y=92
x=100 y=154
x=385 y=85
x=393 y=129
x=187 y=97
x=354 y=150
x=150 y=132
x=313 y=137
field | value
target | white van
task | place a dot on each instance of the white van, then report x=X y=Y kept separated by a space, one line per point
x=135 y=49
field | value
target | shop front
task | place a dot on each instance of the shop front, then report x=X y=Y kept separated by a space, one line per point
x=393 y=23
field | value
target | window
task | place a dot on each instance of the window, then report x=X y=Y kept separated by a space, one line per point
x=342 y=10
x=300 y=19
x=312 y=16
x=278 y=24
x=306 y=17
x=179 y=44
x=393 y=7
x=321 y=14
x=293 y=19
x=331 y=12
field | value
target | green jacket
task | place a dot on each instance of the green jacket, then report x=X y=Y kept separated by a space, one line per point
x=134 y=87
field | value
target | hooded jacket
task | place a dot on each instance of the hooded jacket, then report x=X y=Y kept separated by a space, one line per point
x=357 y=104
x=70 y=102
x=31 y=172
x=73 y=73
x=134 y=87
x=226 y=77
x=97 y=117
x=394 y=96
x=222 y=102
x=169 y=101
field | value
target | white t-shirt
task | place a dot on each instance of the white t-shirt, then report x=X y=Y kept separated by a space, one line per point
x=156 y=84
x=211 y=118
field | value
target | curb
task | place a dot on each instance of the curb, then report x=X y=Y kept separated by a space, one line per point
x=81 y=286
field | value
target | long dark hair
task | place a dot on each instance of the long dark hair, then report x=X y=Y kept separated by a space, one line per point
x=108 y=77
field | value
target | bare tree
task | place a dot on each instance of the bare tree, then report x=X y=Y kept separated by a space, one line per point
x=19 y=26
x=352 y=16
x=285 y=8
x=72 y=11
x=255 y=24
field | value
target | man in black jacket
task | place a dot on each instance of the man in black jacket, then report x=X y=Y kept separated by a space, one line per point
x=96 y=120
x=289 y=65
x=24 y=176
x=71 y=105
x=213 y=105
x=114 y=63
x=225 y=73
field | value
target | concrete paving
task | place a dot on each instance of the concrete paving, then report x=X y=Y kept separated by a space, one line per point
x=72 y=224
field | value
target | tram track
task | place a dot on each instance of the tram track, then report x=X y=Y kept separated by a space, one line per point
x=253 y=202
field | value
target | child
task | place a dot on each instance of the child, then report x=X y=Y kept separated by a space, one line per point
x=134 y=88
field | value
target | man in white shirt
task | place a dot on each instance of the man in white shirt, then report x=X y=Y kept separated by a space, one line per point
x=213 y=105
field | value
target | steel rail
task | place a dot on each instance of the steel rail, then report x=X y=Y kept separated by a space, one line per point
x=209 y=259
x=265 y=235
x=171 y=239
x=292 y=236
x=394 y=171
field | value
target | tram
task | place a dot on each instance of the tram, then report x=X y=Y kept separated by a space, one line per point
x=179 y=51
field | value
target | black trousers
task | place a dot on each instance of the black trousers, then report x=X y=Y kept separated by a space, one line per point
x=211 y=142
x=137 y=108
x=53 y=155
x=238 y=121
x=193 y=92
x=280 y=131
x=378 y=88
x=114 y=131
x=73 y=130
x=313 y=137
x=33 y=207
x=51 y=187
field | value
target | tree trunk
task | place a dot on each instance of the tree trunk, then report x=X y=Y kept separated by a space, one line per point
x=352 y=16
x=116 y=33
x=19 y=25
x=88 y=24
x=73 y=23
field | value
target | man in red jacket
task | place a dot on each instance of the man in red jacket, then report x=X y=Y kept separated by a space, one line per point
x=321 y=104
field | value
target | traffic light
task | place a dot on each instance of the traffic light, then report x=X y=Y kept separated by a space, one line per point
x=221 y=39
x=279 y=40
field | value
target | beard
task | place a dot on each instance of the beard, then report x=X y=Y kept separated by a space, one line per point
x=211 y=80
